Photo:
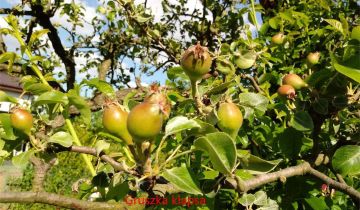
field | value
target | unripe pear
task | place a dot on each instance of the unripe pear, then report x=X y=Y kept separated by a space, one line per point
x=278 y=38
x=21 y=120
x=145 y=121
x=286 y=91
x=294 y=80
x=196 y=62
x=313 y=58
x=115 y=122
x=230 y=118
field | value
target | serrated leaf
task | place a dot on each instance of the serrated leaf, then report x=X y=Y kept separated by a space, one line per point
x=22 y=159
x=62 y=138
x=182 y=179
x=346 y=160
x=302 y=121
x=52 y=97
x=81 y=105
x=178 y=124
x=221 y=149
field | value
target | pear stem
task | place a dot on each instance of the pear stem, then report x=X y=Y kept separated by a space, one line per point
x=196 y=95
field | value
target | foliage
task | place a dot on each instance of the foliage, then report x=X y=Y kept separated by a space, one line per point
x=60 y=180
x=192 y=156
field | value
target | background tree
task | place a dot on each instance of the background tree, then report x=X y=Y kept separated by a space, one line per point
x=305 y=127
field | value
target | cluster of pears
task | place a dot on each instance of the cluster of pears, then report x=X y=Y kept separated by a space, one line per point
x=290 y=83
x=196 y=62
x=143 y=122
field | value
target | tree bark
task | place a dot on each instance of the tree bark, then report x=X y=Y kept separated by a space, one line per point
x=57 y=200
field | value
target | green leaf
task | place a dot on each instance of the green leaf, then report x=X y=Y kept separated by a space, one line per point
x=52 y=97
x=7 y=98
x=204 y=128
x=324 y=4
x=274 y=22
x=5 y=123
x=302 y=121
x=355 y=33
x=346 y=160
x=321 y=106
x=347 y=71
x=81 y=105
x=10 y=57
x=175 y=72
x=220 y=88
x=102 y=86
x=142 y=18
x=221 y=149
x=256 y=165
x=289 y=147
x=36 y=35
x=224 y=66
x=62 y=138
x=117 y=191
x=243 y=174
x=260 y=198
x=182 y=179
x=247 y=199
x=127 y=99
x=253 y=101
x=336 y=24
x=178 y=124
x=317 y=203
x=22 y=159
x=33 y=85
x=101 y=145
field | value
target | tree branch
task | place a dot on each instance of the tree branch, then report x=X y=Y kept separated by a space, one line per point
x=40 y=170
x=91 y=151
x=253 y=82
x=14 y=11
x=298 y=170
x=57 y=200
x=65 y=56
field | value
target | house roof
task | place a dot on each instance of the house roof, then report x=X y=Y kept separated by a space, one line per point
x=10 y=83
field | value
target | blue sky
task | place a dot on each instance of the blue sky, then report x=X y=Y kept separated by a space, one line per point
x=90 y=8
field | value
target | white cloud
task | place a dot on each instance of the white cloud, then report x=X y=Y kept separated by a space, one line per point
x=157 y=10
